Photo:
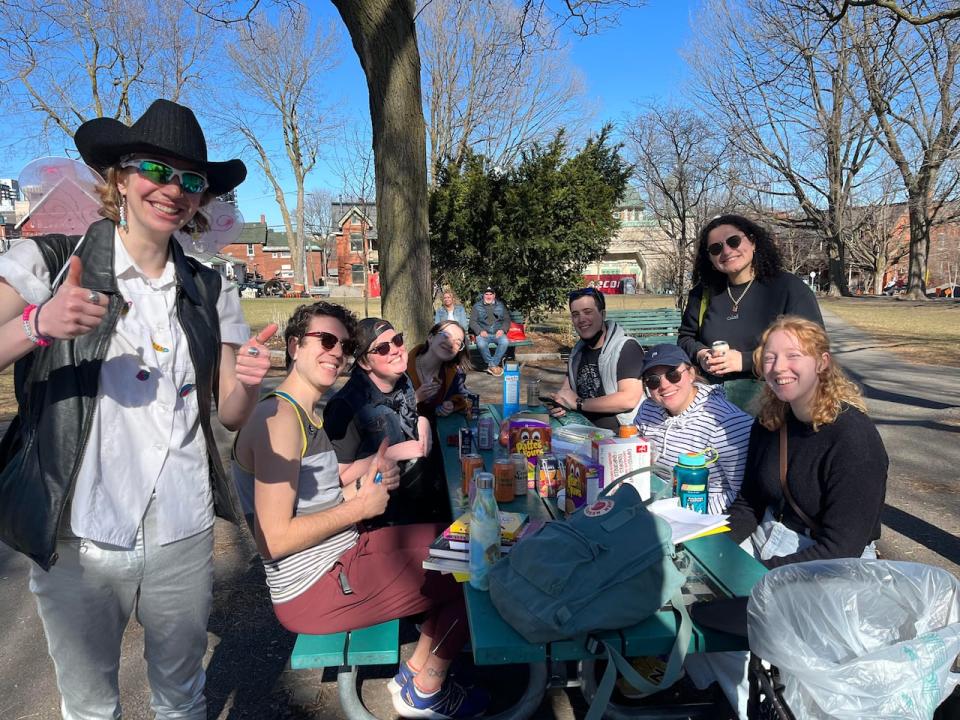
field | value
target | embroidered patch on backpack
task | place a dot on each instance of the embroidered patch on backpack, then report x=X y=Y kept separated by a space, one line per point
x=600 y=507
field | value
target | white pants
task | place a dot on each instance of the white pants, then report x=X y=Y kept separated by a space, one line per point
x=85 y=602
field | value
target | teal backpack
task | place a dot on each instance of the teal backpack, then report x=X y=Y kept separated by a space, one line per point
x=607 y=567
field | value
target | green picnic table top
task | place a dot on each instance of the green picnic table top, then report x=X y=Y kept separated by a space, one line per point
x=731 y=571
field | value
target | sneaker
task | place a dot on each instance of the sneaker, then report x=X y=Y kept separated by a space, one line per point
x=452 y=700
x=460 y=671
x=396 y=683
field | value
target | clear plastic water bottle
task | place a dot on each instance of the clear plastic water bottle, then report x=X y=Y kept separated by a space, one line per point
x=484 y=531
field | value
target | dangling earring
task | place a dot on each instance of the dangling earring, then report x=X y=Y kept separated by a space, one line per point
x=123 y=212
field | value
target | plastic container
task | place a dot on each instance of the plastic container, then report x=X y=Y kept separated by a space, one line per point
x=484 y=532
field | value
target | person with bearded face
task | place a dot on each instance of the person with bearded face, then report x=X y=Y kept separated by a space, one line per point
x=603 y=375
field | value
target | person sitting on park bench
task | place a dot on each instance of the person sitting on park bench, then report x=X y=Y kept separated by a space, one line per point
x=326 y=573
x=450 y=309
x=489 y=321
x=603 y=375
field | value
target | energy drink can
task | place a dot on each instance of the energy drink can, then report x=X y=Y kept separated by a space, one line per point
x=521 y=472
x=486 y=429
x=503 y=480
x=466 y=442
x=474 y=405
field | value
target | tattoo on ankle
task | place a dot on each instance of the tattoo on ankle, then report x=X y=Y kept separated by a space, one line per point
x=435 y=673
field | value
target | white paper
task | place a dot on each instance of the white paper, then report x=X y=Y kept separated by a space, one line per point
x=684 y=523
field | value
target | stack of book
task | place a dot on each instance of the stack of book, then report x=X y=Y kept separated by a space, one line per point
x=450 y=552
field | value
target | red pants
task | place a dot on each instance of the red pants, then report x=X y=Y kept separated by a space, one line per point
x=388 y=581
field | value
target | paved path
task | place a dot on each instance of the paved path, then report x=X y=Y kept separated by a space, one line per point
x=917 y=411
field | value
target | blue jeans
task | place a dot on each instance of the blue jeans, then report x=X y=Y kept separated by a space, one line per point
x=483 y=345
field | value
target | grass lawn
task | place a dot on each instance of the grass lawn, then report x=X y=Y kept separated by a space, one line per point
x=918 y=331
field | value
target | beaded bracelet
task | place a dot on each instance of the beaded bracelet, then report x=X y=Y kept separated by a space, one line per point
x=33 y=337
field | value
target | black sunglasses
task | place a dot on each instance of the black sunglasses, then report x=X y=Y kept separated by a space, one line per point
x=384 y=347
x=329 y=341
x=587 y=292
x=733 y=242
x=653 y=381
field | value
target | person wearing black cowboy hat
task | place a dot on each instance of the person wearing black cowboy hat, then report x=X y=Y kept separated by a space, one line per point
x=110 y=476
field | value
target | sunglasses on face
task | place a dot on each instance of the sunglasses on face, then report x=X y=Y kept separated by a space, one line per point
x=733 y=242
x=155 y=171
x=587 y=292
x=329 y=341
x=384 y=347
x=653 y=381
x=457 y=343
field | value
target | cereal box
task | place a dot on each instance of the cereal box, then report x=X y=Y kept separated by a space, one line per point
x=584 y=482
x=618 y=456
x=530 y=438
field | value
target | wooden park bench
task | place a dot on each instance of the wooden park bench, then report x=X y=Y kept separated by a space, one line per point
x=649 y=327
x=348 y=651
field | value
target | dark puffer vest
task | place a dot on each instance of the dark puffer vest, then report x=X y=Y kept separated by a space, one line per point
x=56 y=387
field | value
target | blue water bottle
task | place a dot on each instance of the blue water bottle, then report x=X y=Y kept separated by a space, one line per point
x=690 y=481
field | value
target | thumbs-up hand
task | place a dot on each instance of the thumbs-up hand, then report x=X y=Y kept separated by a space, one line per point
x=253 y=357
x=373 y=493
x=73 y=310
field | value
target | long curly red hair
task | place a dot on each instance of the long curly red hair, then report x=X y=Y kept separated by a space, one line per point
x=834 y=389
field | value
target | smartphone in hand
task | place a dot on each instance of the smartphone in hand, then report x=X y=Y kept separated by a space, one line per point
x=549 y=401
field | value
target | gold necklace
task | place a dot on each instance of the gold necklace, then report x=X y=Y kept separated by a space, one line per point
x=736 y=301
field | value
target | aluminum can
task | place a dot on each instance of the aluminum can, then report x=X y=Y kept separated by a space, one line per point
x=719 y=347
x=521 y=471
x=469 y=464
x=503 y=480
x=474 y=405
x=466 y=441
x=486 y=431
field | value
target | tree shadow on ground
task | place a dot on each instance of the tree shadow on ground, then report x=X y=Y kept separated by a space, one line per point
x=920 y=531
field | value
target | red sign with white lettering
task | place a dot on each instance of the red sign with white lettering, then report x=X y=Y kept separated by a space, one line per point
x=608 y=284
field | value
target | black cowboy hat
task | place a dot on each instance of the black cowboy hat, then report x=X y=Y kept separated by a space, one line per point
x=167 y=129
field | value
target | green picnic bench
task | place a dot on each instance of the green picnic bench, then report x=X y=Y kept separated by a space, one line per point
x=511 y=351
x=649 y=327
x=374 y=645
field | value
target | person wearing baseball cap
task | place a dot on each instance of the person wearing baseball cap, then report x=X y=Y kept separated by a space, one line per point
x=489 y=322
x=378 y=402
x=681 y=413
x=113 y=477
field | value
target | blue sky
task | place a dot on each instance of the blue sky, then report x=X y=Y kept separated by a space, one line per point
x=636 y=61
x=639 y=60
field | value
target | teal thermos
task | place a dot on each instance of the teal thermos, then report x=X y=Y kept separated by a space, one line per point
x=690 y=476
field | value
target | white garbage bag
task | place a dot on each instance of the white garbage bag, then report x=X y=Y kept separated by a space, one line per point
x=859 y=638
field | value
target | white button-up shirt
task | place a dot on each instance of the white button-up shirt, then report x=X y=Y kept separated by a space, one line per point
x=145 y=435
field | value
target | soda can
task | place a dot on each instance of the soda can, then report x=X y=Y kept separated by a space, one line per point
x=549 y=475
x=521 y=473
x=503 y=480
x=474 y=405
x=469 y=464
x=466 y=441
x=719 y=347
x=486 y=430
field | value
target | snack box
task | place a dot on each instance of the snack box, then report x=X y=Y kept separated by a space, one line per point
x=584 y=481
x=531 y=438
x=618 y=456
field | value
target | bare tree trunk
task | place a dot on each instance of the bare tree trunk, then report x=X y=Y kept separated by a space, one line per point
x=384 y=37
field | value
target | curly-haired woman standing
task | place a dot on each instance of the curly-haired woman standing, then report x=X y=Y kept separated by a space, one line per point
x=739 y=288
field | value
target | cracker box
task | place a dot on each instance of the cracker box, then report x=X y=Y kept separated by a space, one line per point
x=530 y=438
x=618 y=456
x=584 y=482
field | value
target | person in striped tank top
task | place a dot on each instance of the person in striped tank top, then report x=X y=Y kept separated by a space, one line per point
x=683 y=414
x=325 y=572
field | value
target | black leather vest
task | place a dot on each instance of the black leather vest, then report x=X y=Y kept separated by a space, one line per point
x=56 y=387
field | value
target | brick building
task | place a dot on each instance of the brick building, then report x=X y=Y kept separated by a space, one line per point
x=355 y=230
x=267 y=254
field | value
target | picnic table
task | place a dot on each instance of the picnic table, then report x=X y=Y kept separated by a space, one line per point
x=715 y=566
